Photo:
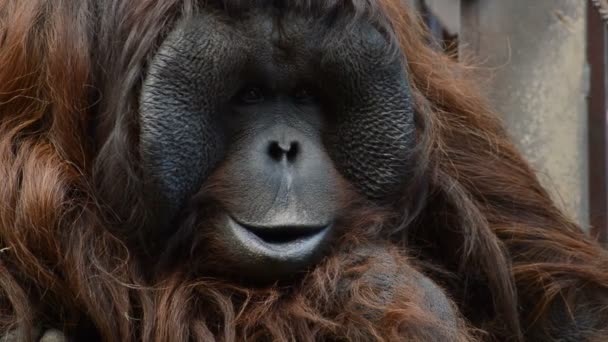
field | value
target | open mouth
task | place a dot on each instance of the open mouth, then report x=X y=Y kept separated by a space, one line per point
x=287 y=242
x=282 y=235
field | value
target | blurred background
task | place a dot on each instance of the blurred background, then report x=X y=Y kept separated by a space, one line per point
x=543 y=64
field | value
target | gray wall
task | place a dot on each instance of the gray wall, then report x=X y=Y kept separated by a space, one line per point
x=534 y=64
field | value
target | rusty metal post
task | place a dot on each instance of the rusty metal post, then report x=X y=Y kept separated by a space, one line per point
x=597 y=51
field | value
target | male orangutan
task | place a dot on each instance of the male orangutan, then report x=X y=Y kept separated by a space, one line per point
x=188 y=170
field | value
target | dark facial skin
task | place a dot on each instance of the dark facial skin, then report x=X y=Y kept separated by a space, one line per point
x=285 y=110
x=286 y=181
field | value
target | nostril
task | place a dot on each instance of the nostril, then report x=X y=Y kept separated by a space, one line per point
x=277 y=151
x=294 y=149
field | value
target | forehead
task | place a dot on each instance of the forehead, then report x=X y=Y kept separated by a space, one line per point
x=313 y=19
x=273 y=35
x=307 y=7
x=281 y=25
x=284 y=30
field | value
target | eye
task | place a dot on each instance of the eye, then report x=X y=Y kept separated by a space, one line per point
x=305 y=95
x=250 y=95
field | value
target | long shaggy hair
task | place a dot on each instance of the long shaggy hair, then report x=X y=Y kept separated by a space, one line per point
x=70 y=212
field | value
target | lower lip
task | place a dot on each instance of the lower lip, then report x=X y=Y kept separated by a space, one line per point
x=299 y=248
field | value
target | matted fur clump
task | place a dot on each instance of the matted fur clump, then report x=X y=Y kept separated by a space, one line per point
x=475 y=220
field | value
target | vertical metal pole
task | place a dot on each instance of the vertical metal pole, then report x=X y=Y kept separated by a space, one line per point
x=597 y=51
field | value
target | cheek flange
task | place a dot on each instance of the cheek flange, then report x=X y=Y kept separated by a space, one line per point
x=180 y=138
x=373 y=136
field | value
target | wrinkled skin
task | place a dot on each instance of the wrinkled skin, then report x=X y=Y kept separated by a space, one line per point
x=285 y=117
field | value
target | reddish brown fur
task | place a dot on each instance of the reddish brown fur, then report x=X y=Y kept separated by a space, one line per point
x=488 y=232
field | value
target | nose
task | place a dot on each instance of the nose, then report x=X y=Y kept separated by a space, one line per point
x=279 y=150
